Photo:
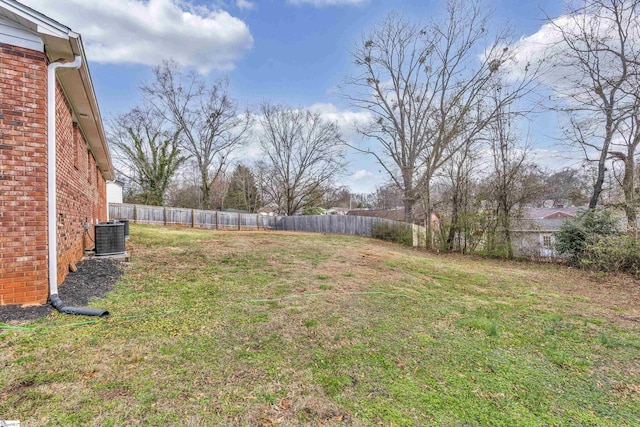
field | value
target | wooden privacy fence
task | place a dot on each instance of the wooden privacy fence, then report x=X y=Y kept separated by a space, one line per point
x=214 y=220
x=337 y=224
x=219 y=220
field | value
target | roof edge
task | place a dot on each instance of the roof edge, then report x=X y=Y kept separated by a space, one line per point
x=44 y=24
x=58 y=39
x=106 y=165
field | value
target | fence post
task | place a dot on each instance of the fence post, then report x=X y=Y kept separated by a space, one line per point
x=239 y=220
x=164 y=215
x=135 y=214
x=217 y=220
x=193 y=218
x=258 y=222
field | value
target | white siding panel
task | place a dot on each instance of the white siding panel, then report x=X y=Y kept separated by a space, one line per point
x=114 y=192
x=16 y=35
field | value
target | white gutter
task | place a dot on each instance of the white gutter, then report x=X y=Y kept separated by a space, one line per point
x=52 y=223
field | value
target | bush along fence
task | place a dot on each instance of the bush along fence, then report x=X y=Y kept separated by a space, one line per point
x=380 y=228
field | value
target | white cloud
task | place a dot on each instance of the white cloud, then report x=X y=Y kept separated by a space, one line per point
x=556 y=159
x=553 y=159
x=323 y=3
x=545 y=50
x=559 y=70
x=361 y=175
x=245 y=5
x=147 y=32
x=348 y=121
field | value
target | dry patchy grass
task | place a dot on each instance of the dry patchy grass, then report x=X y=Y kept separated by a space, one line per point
x=264 y=329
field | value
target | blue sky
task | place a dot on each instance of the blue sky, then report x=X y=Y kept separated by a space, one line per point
x=292 y=52
x=301 y=52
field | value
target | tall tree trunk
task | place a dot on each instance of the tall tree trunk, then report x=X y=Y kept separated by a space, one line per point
x=506 y=225
x=504 y=222
x=409 y=197
x=454 y=228
x=427 y=215
x=604 y=153
x=628 y=186
x=205 y=188
x=409 y=202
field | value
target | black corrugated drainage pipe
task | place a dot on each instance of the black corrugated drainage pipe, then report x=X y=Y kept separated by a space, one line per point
x=57 y=303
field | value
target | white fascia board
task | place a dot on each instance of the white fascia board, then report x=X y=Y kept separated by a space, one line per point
x=47 y=31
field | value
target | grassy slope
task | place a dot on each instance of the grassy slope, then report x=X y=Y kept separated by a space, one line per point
x=352 y=331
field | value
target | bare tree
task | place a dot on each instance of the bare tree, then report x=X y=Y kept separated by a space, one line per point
x=458 y=183
x=388 y=196
x=302 y=156
x=600 y=52
x=148 y=152
x=337 y=196
x=243 y=192
x=629 y=131
x=212 y=126
x=186 y=192
x=271 y=193
x=514 y=180
x=567 y=186
x=424 y=86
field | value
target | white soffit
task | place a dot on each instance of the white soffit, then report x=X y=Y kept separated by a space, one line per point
x=14 y=34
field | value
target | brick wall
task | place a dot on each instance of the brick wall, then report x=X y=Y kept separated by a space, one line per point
x=23 y=180
x=81 y=188
x=23 y=176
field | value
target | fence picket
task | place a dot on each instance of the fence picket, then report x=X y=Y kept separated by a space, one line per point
x=218 y=220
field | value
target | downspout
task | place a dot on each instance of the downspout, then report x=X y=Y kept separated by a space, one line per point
x=52 y=193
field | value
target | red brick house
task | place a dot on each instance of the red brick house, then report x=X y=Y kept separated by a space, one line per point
x=54 y=159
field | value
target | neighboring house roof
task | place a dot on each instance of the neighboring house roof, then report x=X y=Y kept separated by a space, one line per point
x=394 y=214
x=61 y=43
x=552 y=224
x=267 y=209
x=535 y=225
x=551 y=213
x=232 y=210
x=343 y=211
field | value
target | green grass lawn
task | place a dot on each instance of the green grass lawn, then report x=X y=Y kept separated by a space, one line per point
x=264 y=329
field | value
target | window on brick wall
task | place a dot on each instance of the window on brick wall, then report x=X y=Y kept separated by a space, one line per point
x=75 y=142
x=89 y=174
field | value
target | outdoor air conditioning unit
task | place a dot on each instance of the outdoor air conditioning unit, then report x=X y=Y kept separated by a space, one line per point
x=109 y=238
x=126 y=226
